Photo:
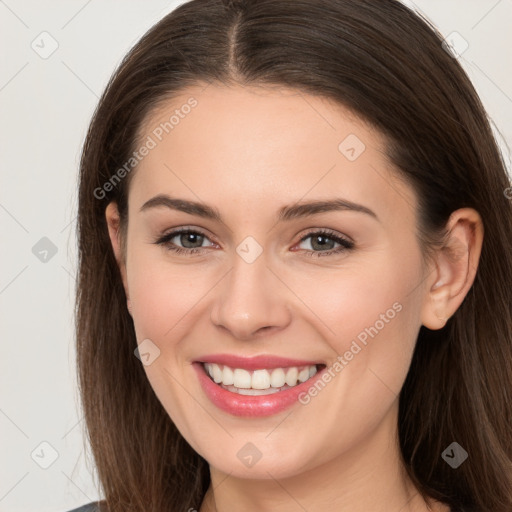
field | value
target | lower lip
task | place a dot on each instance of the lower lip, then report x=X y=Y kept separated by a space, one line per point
x=249 y=405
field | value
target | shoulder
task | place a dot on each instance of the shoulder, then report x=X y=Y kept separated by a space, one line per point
x=90 y=507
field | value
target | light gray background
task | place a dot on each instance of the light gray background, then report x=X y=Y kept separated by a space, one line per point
x=45 y=107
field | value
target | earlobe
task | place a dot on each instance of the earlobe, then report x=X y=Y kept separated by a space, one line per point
x=436 y=308
x=456 y=266
x=437 y=314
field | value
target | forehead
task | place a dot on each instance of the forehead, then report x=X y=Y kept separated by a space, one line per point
x=260 y=147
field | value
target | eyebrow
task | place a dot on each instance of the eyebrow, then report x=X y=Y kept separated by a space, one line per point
x=286 y=213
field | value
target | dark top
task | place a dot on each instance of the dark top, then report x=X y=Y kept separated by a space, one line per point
x=90 y=507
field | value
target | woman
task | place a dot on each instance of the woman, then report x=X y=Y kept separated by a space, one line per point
x=294 y=249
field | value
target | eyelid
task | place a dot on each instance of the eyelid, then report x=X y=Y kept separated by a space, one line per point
x=199 y=231
x=327 y=232
x=344 y=242
x=188 y=229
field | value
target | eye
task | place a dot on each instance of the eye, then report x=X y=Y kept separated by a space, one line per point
x=192 y=241
x=324 y=241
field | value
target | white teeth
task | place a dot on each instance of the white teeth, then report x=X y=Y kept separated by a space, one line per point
x=277 y=378
x=241 y=378
x=254 y=392
x=291 y=376
x=304 y=374
x=227 y=376
x=260 y=379
x=269 y=381
x=217 y=373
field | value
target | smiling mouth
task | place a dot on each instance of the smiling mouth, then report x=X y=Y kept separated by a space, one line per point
x=259 y=382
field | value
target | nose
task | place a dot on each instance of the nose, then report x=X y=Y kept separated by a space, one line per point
x=251 y=301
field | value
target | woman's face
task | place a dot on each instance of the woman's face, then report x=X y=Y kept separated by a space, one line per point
x=253 y=283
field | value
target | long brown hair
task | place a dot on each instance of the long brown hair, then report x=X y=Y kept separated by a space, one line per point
x=387 y=65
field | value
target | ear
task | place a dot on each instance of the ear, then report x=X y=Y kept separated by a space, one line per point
x=113 y=224
x=456 y=266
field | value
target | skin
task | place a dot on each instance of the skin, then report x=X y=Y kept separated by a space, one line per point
x=249 y=151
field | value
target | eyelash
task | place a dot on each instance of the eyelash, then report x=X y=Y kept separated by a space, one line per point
x=345 y=245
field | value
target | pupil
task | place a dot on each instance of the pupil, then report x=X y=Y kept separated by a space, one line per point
x=191 y=237
x=321 y=242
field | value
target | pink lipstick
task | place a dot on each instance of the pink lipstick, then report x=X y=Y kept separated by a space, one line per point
x=248 y=405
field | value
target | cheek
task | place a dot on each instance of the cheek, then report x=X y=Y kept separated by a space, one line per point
x=369 y=315
x=166 y=301
x=164 y=295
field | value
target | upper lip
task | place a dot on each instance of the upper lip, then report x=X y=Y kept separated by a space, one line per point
x=255 y=362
